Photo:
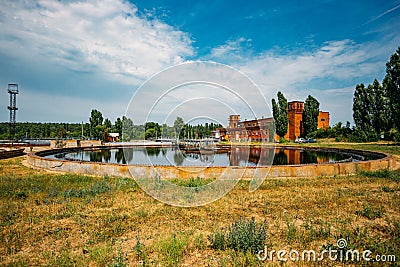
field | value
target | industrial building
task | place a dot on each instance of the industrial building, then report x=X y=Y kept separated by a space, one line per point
x=261 y=130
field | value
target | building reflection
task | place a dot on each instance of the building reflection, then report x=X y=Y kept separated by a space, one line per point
x=261 y=156
x=241 y=156
x=238 y=156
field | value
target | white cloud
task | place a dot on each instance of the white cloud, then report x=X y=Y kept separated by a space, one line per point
x=329 y=72
x=42 y=107
x=197 y=89
x=103 y=36
x=109 y=40
x=335 y=60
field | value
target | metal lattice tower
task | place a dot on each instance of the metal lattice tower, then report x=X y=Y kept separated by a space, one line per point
x=13 y=91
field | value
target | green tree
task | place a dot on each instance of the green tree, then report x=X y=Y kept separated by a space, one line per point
x=167 y=131
x=380 y=110
x=280 y=115
x=152 y=130
x=310 y=115
x=127 y=129
x=362 y=108
x=150 y=133
x=107 y=124
x=96 y=120
x=62 y=133
x=118 y=126
x=391 y=84
x=178 y=125
x=363 y=105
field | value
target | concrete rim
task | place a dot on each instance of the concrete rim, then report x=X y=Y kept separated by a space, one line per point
x=121 y=170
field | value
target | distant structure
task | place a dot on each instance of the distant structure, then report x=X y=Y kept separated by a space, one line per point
x=12 y=91
x=261 y=130
x=295 y=116
x=113 y=137
x=258 y=130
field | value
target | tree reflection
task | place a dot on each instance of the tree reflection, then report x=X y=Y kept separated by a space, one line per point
x=178 y=158
x=310 y=157
x=95 y=156
x=106 y=154
x=280 y=158
x=153 y=151
x=119 y=156
x=128 y=154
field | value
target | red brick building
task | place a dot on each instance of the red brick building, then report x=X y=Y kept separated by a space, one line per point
x=295 y=116
x=323 y=120
x=260 y=130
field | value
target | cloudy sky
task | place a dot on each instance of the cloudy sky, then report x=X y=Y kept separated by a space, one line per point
x=69 y=57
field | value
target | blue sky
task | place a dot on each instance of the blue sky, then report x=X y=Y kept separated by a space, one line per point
x=71 y=56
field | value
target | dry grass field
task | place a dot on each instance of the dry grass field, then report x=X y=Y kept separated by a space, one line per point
x=51 y=219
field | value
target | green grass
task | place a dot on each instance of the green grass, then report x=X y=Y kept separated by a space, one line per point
x=192 y=182
x=171 y=249
x=371 y=212
x=390 y=148
x=385 y=174
x=49 y=219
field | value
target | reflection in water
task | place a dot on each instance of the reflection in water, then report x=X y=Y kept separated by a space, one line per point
x=101 y=155
x=119 y=156
x=152 y=151
x=280 y=157
x=236 y=156
x=178 y=158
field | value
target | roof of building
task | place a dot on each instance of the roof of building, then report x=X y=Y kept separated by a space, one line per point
x=114 y=134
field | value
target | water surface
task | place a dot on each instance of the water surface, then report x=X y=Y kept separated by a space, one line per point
x=236 y=156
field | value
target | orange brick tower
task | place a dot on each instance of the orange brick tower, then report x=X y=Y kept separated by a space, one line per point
x=323 y=120
x=234 y=121
x=295 y=116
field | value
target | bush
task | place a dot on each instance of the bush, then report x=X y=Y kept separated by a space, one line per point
x=339 y=131
x=363 y=136
x=396 y=137
x=243 y=235
x=218 y=241
x=282 y=140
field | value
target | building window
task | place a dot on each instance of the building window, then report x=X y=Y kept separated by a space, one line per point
x=323 y=119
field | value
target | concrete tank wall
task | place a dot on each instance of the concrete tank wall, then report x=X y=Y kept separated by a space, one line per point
x=5 y=154
x=119 y=170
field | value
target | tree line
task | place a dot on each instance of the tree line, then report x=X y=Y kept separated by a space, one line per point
x=376 y=107
x=99 y=128
x=179 y=130
x=42 y=130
